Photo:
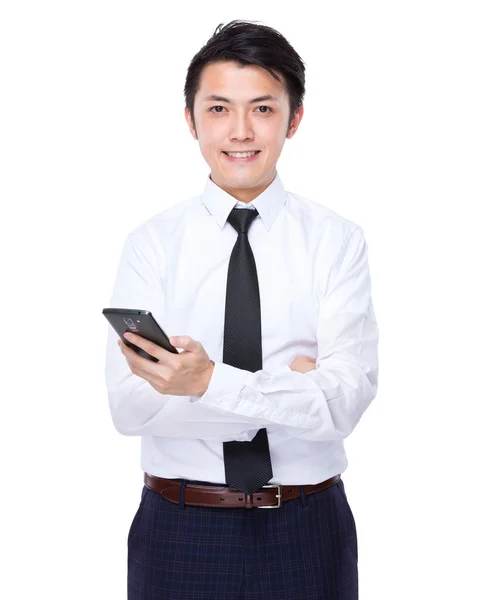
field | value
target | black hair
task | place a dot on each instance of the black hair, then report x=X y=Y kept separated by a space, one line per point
x=248 y=43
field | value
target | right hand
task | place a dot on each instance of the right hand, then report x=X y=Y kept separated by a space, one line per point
x=302 y=364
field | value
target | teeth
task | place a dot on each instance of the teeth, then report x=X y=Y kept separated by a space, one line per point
x=240 y=154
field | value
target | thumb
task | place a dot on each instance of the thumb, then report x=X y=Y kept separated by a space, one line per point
x=182 y=341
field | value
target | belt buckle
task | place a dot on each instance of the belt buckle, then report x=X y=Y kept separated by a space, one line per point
x=279 y=495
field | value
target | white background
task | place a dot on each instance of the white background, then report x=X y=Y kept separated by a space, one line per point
x=93 y=142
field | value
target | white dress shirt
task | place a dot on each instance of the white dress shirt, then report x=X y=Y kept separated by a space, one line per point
x=315 y=295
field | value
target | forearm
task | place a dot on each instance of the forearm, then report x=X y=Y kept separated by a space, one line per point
x=138 y=409
x=320 y=405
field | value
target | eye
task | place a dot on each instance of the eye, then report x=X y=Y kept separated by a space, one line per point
x=268 y=111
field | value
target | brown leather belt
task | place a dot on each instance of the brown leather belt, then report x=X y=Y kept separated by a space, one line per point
x=269 y=496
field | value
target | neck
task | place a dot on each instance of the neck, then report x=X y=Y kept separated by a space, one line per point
x=245 y=195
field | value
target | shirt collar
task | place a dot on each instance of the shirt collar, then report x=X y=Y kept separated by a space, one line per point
x=269 y=203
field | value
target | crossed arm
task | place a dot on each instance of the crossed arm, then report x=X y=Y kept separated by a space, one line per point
x=184 y=374
x=316 y=399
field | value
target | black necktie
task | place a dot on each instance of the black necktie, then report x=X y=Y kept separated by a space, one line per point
x=247 y=464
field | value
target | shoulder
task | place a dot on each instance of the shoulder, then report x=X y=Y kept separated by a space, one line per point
x=161 y=227
x=321 y=222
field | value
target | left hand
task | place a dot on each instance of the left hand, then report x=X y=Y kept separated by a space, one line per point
x=185 y=374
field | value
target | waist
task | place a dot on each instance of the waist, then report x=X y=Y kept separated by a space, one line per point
x=294 y=461
x=213 y=495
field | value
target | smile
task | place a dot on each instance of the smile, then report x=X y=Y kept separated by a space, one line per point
x=242 y=156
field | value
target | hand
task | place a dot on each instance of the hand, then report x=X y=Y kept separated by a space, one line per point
x=185 y=374
x=302 y=364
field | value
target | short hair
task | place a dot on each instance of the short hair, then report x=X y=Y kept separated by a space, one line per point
x=248 y=43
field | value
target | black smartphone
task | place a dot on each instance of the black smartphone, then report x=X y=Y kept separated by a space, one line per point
x=142 y=323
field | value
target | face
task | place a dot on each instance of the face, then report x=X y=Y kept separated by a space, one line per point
x=238 y=119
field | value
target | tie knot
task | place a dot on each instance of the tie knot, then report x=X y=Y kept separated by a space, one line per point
x=242 y=218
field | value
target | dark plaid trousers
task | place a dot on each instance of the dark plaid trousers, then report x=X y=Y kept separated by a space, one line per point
x=307 y=549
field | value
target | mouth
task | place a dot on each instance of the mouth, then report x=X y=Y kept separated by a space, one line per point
x=242 y=157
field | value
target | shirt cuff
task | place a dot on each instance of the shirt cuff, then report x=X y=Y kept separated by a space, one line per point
x=225 y=384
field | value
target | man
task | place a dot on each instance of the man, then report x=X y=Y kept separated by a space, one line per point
x=270 y=293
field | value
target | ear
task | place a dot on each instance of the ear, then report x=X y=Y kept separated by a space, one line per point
x=192 y=127
x=294 y=124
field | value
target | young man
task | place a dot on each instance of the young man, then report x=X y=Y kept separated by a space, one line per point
x=271 y=294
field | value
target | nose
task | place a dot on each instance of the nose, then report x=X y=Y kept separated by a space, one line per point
x=241 y=127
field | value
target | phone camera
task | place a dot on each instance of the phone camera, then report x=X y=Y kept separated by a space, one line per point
x=130 y=324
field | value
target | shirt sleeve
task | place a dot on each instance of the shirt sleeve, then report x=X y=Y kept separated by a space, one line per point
x=136 y=407
x=325 y=403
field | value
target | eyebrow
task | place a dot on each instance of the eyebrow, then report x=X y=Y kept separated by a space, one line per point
x=216 y=98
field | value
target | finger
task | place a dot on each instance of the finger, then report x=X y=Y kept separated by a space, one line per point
x=186 y=342
x=149 y=347
x=122 y=347
x=144 y=367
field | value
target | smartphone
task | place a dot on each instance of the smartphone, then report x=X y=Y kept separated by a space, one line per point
x=142 y=323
